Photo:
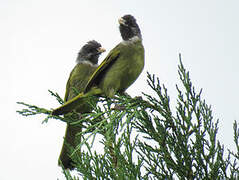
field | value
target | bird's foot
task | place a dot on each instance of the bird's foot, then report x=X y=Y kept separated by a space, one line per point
x=118 y=107
x=138 y=98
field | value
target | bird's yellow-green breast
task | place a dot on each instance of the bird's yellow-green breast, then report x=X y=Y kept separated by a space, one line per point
x=78 y=79
x=125 y=70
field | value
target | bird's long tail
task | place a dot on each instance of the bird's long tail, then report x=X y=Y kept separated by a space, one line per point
x=72 y=140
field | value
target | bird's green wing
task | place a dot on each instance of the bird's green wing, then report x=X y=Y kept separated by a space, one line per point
x=67 y=88
x=110 y=59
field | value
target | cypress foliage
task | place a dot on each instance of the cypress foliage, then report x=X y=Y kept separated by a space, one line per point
x=146 y=138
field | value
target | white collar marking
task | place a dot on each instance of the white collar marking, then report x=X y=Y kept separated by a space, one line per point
x=131 y=40
x=87 y=62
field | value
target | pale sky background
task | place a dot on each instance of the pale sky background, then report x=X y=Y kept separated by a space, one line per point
x=39 y=42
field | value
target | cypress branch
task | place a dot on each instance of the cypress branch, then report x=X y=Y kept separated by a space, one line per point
x=148 y=138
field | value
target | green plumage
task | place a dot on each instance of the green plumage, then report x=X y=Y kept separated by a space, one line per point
x=119 y=69
x=125 y=69
x=78 y=79
x=76 y=83
x=86 y=65
x=116 y=73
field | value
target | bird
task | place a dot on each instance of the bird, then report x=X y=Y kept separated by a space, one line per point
x=119 y=70
x=86 y=64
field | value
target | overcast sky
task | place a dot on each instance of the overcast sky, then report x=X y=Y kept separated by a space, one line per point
x=39 y=42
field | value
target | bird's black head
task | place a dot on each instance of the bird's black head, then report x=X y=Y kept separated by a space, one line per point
x=128 y=27
x=90 y=52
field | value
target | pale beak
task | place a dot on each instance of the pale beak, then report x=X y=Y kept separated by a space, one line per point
x=121 y=21
x=101 y=50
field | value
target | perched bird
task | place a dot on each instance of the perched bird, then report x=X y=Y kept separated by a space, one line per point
x=87 y=62
x=120 y=68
